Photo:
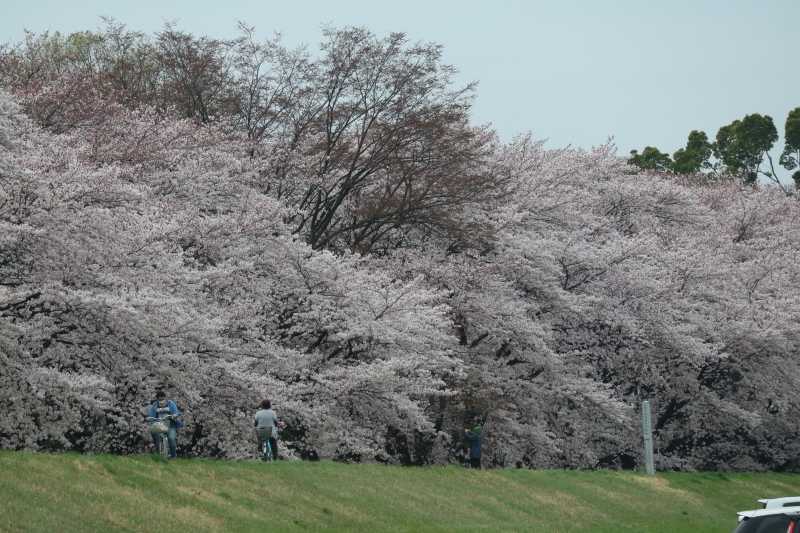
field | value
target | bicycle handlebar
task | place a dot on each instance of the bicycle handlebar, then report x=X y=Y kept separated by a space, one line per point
x=167 y=420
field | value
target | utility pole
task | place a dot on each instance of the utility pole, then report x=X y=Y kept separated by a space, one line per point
x=648 y=439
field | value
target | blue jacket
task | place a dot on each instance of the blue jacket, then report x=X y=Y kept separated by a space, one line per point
x=475 y=445
x=173 y=410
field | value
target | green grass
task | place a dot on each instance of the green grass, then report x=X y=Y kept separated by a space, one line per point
x=40 y=492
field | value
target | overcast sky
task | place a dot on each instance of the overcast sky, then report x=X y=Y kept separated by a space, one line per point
x=571 y=71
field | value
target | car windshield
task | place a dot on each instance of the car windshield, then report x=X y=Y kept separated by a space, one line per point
x=764 y=524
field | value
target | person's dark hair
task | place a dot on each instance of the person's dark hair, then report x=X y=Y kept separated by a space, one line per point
x=161 y=393
x=266 y=404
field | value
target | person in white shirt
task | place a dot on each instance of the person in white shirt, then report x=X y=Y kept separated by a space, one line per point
x=266 y=423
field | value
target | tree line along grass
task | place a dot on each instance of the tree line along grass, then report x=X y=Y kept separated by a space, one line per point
x=386 y=272
x=80 y=493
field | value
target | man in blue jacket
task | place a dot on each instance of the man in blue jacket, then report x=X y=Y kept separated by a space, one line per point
x=475 y=438
x=165 y=408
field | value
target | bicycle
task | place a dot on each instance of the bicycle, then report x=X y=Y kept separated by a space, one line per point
x=265 y=451
x=160 y=427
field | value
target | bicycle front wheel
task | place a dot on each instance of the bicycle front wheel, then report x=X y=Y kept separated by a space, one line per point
x=163 y=446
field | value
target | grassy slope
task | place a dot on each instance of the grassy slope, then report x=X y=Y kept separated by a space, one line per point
x=104 y=493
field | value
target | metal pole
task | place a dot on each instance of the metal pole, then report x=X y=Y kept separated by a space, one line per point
x=648 y=439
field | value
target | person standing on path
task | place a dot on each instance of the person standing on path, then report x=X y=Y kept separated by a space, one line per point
x=475 y=438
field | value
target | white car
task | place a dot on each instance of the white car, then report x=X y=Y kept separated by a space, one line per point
x=773 y=520
x=789 y=501
x=773 y=503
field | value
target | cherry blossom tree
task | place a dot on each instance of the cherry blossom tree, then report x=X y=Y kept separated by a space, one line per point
x=341 y=240
x=160 y=272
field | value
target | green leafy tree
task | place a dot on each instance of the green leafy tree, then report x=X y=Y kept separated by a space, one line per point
x=651 y=158
x=790 y=158
x=743 y=144
x=695 y=157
